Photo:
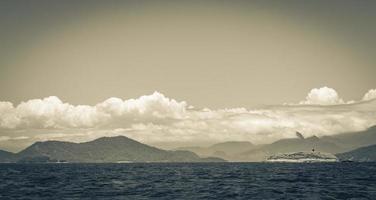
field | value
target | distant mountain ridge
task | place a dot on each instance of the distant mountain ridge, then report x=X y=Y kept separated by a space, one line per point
x=123 y=149
x=290 y=145
x=247 y=152
x=105 y=149
x=331 y=144
x=362 y=154
x=353 y=140
x=224 y=150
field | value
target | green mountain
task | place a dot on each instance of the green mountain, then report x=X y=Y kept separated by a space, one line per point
x=362 y=154
x=106 y=149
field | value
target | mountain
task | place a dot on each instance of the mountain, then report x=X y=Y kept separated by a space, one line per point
x=106 y=149
x=363 y=154
x=6 y=156
x=353 y=140
x=225 y=150
x=233 y=147
x=123 y=149
x=331 y=144
x=299 y=144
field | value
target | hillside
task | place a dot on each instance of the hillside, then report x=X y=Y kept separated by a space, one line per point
x=353 y=140
x=225 y=150
x=6 y=156
x=290 y=145
x=363 y=154
x=330 y=144
x=106 y=149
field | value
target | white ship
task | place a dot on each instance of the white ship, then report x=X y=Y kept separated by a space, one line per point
x=303 y=157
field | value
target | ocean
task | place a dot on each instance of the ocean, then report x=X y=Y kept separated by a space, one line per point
x=188 y=181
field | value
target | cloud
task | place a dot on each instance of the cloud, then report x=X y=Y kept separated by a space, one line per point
x=4 y=138
x=323 y=96
x=156 y=118
x=51 y=112
x=371 y=94
x=258 y=126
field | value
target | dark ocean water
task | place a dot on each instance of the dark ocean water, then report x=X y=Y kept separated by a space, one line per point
x=188 y=181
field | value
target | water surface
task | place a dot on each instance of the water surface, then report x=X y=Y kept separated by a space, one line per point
x=188 y=181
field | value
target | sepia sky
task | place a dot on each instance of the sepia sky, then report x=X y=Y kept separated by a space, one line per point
x=201 y=57
x=210 y=53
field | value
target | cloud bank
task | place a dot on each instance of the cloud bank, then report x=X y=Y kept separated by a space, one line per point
x=51 y=112
x=156 y=118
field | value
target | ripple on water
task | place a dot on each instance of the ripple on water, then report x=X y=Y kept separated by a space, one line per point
x=189 y=181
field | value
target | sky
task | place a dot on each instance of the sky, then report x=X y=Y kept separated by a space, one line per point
x=185 y=72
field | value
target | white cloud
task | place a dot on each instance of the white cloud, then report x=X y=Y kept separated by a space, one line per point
x=155 y=118
x=7 y=117
x=371 y=94
x=51 y=112
x=323 y=96
x=156 y=105
x=21 y=138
